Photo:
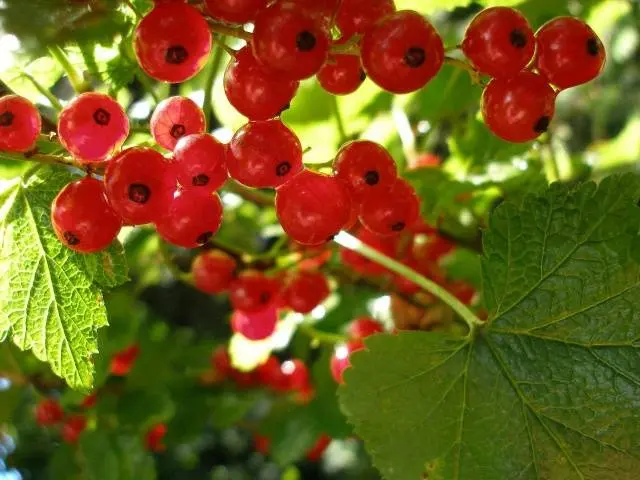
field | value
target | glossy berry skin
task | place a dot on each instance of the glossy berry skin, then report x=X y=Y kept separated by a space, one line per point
x=139 y=185
x=385 y=245
x=305 y=291
x=49 y=412
x=174 y=118
x=290 y=40
x=519 y=108
x=499 y=42
x=82 y=217
x=255 y=326
x=172 y=42
x=254 y=90
x=366 y=167
x=73 y=427
x=312 y=208
x=364 y=327
x=20 y=124
x=342 y=75
x=323 y=10
x=270 y=374
x=392 y=213
x=92 y=127
x=318 y=449
x=199 y=162
x=123 y=361
x=234 y=11
x=569 y=52
x=213 y=271
x=153 y=438
x=192 y=218
x=264 y=154
x=340 y=360
x=296 y=374
x=253 y=291
x=402 y=52
x=221 y=362
x=358 y=16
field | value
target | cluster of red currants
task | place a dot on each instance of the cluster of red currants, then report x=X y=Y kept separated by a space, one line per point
x=291 y=41
x=288 y=377
x=49 y=413
x=257 y=298
x=528 y=70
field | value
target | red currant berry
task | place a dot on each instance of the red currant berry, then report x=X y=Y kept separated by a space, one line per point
x=290 y=40
x=123 y=361
x=312 y=208
x=424 y=160
x=262 y=444
x=221 y=362
x=235 y=11
x=174 y=118
x=366 y=167
x=340 y=360
x=385 y=245
x=364 y=327
x=569 y=52
x=139 y=185
x=431 y=249
x=316 y=452
x=89 y=401
x=305 y=291
x=172 y=42
x=402 y=52
x=323 y=10
x=255 y=91
x=73 y=428
x=296 y=374
x=463 y=291
x=499 y=42
x=49 y=412
x=358 y=16
x=255 y=325
x=192 y=218
x=393 y=212
x=20 y=124
x=199 y=161
x=82 y=217
x=154 y=437
x=253 y=291
x=264 y=154
x=213 y=271
x=342 y=75
x=243 y=379
x=518 y=108
x=270 y=374
x=92 y=127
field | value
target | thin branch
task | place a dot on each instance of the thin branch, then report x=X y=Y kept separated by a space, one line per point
x=207 y=104
x=74 y=76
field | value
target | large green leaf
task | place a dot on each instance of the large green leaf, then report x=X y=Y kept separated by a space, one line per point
x=549 y=387
x=50 y=301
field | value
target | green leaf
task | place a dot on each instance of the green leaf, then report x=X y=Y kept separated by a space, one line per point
x=108 y=268
x=97 y=458
x=49 y=302
x=549 y=387
x=141 y=409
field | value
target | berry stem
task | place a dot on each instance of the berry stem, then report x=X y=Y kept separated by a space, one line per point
x=252 y=195
x=351 y=47
x=207 y=103
x=320 y=336
x=475 y=76
x=75 y=77
x=41 y=158
x=221 y=28
x=338 y=117
x=55 y=103
x=348 y=241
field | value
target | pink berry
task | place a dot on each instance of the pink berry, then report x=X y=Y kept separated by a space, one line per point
x=264 y=154
x=199 y=161
x=92 y=127
x=255 y=325
x=192 y=217
x=172 y=42
x=174 y=118
x=253 y=291
x=139 y=185
x=82 y=217
x=20 y=124
x=312 y=208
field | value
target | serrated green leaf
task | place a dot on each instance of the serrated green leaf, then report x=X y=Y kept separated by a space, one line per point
x=550 y=387
x=108 y=268
x=49 y=302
